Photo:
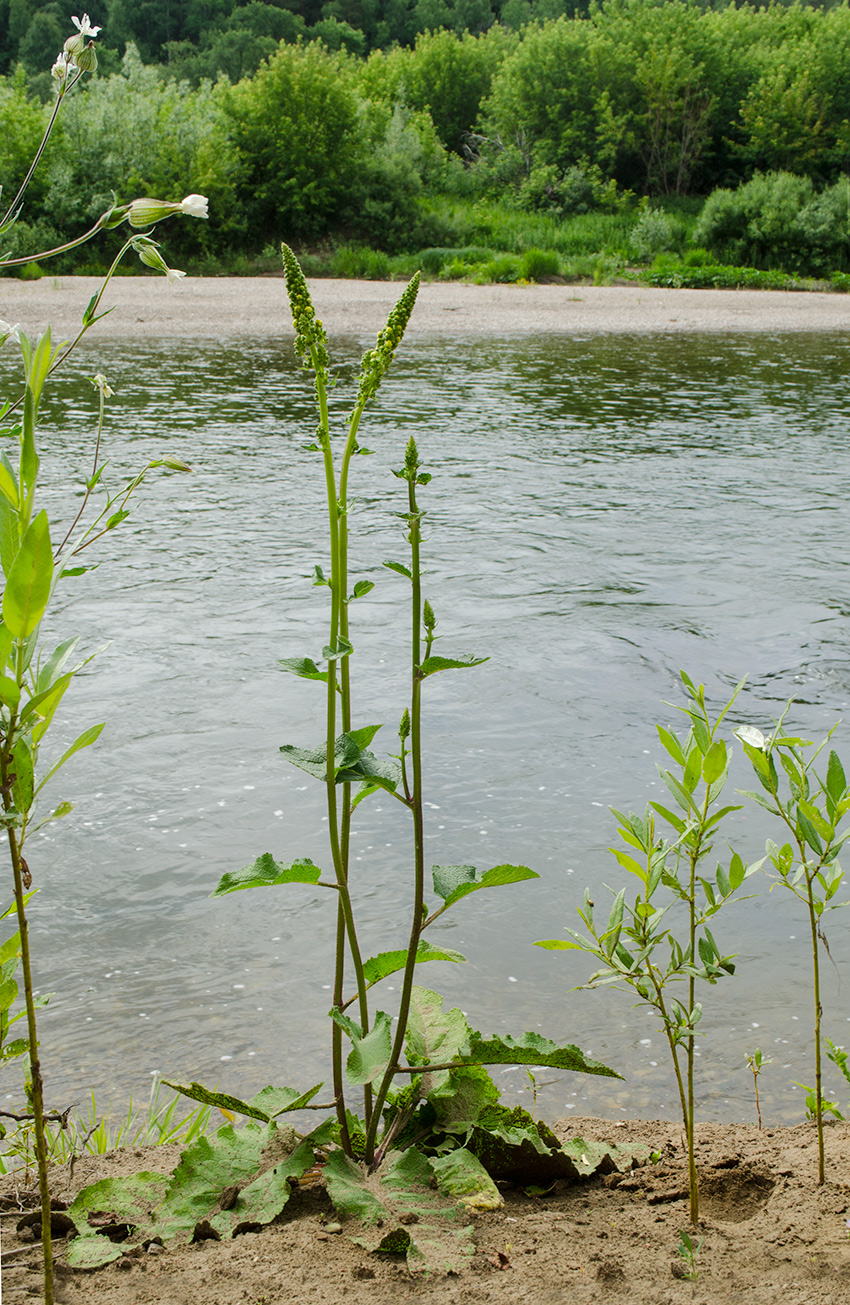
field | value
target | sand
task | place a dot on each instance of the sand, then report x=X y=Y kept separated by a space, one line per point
x=228 y=307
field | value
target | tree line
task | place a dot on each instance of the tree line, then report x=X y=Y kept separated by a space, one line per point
x=558 y=114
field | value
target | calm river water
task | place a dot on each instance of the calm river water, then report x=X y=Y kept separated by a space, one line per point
x=604 y=511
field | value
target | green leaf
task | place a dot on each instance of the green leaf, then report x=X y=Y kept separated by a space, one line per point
x=266 y=1105
x=397 y=567
x=10 y=694
x=303 y=666
x=453 y=882
x=128 y=1201
x=84 y=740
x=836 y=784
x=408 y=1216
x=342 y=648
x=9 y=538
x=672 y=744
x=23 y=763
x=362 y=588
x=49 y=673
x=715 y=762
x=378 y=967
x=266 y=872
x=461 y=1175
x=28 y=583
x=431 y=665
x=809 y=832
x=434 y=1036
x=9 y=482
x=532 y=1049
x=370 y=1056
x=348 y=756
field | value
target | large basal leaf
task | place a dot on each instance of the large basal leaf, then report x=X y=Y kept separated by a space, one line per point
x=452 y=882
x=232 y=1180
x=266 y=1105
x=415 y=1220
x=433 y=1035
x=461 y=1174
x=511 y=1145
x=108 y=1204
x=532 y=1049
x=266 y=872
x=459 y=1101
x=378 y=967
x=260 y=1162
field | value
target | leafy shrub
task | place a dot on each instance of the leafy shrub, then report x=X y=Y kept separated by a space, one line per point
x=653 y=233
x=777 y=220
x=433 y=261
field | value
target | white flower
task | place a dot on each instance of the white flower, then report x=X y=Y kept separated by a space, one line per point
x=62 y=66
x=174 y=274
x=148 y=251
x=99 y=383
x=85 y=28
x=195 y=206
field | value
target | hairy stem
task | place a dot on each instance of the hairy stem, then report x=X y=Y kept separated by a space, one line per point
x=36 y=1087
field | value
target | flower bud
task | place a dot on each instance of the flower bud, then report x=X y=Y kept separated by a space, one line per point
x=86 y=59
x=144 y=212
x=99 y=383
x=148 y=251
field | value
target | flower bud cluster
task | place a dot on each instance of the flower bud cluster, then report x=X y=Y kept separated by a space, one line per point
x=310 y=334
x=76 y=54
x=376 y=362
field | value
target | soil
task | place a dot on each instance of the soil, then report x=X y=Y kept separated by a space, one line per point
x=769 y=1234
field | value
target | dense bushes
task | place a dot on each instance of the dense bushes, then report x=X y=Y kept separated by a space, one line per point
x=777 y=220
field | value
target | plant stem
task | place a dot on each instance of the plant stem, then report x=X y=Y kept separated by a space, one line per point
x=417 y=922
x=813 y=924
x=36 y=1088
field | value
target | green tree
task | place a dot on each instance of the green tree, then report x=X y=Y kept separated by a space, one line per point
x=296 y=131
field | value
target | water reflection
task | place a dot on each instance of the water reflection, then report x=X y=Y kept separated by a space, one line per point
x=603 y=511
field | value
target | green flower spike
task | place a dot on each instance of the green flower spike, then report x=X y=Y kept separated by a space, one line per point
x=376 y=362
x=310 y=336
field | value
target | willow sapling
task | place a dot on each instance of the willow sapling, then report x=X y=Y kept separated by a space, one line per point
x=811 y=808
x=756 y=1062
x=629 y=941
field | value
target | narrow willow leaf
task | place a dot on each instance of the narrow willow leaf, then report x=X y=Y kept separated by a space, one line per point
x=369 y=1057
x=28 y=583
x=378 y=967
x=266 y=872
x=23 y=786
x=836 y=784
x=672 y=744
x=84 y=740
x=558 y=945
x=9 y=537
x=10 y=693
x=431 y=665
x=453 y=882
x=715 y=762
x=8 y=482
x=53 y=667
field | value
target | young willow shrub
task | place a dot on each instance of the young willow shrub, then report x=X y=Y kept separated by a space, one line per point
x=635 y=943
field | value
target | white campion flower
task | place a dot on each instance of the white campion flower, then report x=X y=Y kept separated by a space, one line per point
x=148 y=252
x=84 y=27
x=62 y=66
x=99 y=383
x=195 y=206
x=145 y=212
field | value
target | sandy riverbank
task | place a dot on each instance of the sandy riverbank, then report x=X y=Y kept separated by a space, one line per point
x=216 y=307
